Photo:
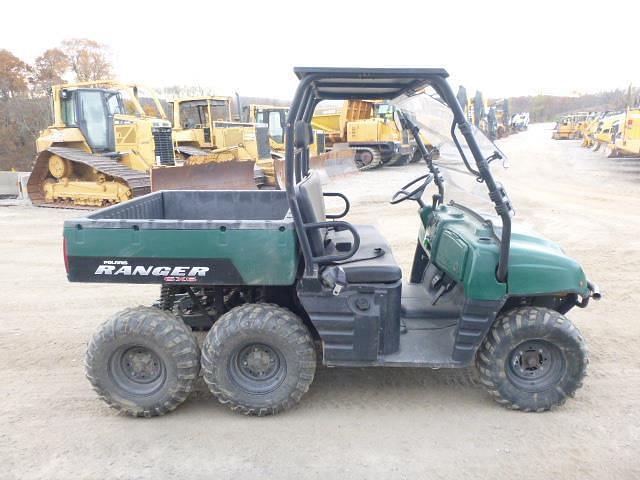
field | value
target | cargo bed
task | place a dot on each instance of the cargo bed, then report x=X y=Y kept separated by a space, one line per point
x=215 y=237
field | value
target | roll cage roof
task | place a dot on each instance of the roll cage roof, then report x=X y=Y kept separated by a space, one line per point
x=367 y=83
x=327 y=83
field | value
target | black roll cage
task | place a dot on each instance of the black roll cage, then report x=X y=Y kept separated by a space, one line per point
x=317 y=84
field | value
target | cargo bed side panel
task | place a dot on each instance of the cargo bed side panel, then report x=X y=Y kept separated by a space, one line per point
x=220 y=256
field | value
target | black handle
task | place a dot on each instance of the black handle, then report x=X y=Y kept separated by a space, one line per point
x=338 y=227
x=347 y=205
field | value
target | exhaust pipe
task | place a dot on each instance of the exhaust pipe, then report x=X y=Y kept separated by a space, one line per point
x=595 y=291
x=239 y=107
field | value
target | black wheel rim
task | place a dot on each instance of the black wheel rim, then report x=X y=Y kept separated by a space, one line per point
x=535 y=365
x=258 y=368
x=137 y=370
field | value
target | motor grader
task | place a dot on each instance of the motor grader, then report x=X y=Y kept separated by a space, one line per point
x=282 y=285
x=205 y=136
x=101 y=145
x=372 y=129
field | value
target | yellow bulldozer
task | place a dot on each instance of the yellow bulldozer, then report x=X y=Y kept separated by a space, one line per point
x=205 y=136
x=329 y=164
x=625 y=135
x=275 y=117
x=606 y=129
x=101 y=145
x=571 y=126
x=589 y=128
x=371 y=128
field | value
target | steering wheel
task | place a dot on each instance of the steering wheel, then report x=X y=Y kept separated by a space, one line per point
x=416 y=194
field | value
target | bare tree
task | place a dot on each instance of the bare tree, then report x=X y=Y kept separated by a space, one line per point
x=88 y=58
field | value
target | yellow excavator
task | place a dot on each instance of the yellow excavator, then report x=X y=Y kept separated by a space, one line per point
x=101 y=145
x=371 y=128
x=206 y=139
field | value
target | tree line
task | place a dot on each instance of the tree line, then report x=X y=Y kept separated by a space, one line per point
x=24 y=103
x=548 y=108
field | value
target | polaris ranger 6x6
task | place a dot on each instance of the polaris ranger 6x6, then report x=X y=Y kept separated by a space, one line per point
x=280 y=284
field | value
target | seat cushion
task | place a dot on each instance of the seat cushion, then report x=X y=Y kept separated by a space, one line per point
x=361 y=268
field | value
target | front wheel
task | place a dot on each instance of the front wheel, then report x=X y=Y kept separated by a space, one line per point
x=532 y=359
x=259 y=359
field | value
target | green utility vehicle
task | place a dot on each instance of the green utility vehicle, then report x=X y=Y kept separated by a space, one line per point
x=280 y=284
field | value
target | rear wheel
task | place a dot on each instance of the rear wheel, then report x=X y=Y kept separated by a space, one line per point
x=259 y=359
x=532 y=359
x=143 y=361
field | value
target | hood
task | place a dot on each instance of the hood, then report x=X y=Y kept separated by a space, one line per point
x=539 y=266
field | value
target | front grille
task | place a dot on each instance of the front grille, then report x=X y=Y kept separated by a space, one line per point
x=262 y=140
x=163 y=145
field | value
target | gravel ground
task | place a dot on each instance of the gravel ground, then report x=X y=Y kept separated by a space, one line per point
x=357 y=423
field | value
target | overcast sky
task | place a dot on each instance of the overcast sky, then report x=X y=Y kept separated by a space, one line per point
x=501 y=48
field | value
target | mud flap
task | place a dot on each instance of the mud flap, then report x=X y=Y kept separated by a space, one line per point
x=231 y=175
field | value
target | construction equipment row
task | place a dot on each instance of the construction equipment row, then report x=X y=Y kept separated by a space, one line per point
x=110 y=142
x=492 y=117
x=615 y=133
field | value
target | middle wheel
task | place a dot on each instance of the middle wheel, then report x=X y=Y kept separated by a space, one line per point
x=259 y=359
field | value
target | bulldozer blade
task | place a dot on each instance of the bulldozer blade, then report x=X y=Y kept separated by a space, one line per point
x=334 y=164
x=231 y=175
x=611 y=152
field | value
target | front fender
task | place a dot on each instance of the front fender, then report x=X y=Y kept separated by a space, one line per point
x=538 y=266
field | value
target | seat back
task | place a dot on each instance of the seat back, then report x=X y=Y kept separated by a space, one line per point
x=311 y=203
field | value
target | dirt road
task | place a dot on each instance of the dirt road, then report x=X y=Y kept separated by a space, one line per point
x=355 y=423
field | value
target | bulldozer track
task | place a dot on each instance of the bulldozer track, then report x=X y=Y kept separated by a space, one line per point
x=139 y=182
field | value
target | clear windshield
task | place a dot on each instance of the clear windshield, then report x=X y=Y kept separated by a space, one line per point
x=435 y=119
